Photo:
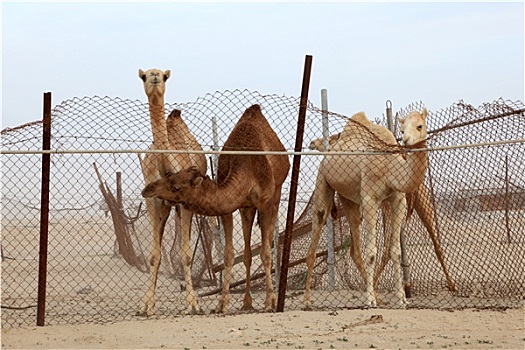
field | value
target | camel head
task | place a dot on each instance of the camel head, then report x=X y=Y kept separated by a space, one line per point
x=176 y=187
x=317 y=144
x=154 y=81
x=414 y=127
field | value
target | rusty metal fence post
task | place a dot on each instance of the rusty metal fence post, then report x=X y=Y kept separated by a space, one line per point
x=294 y=182
x=44 y=212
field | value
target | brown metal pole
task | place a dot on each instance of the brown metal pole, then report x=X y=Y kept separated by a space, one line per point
x=120 y=202
x=44 y=213
x=293 y=186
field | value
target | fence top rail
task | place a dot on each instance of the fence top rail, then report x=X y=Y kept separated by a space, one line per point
x=308 y=153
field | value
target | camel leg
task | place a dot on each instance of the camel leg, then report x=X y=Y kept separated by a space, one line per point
x=185 y=220
x=268 y=216
x=386 y=214
x=224 y=299
x=247 y=217
x=353 y=216
x=323 y=201
x=159 y=214
x=398 y=208
x=370 y=207
x=424 y=210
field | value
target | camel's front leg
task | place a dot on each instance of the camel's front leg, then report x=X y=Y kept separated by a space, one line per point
x=247 y=217
x=185 y=219
x=398 y=206
x=323 y=201
x=424 y=209
x=159 y=214
x=370 y=207
x=224 y=301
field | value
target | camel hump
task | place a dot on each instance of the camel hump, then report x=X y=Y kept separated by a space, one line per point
x=176 y=113
x=252 y=111
x=361 y=118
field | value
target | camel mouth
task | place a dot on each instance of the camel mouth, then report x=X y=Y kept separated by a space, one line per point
x=148 y=191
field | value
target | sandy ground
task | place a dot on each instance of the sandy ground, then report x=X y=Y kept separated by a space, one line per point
x=344 y=329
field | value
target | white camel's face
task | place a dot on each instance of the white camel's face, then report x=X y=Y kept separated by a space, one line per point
x=414 y=127
x=154 y=81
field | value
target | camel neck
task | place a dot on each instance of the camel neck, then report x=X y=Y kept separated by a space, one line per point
x=408 y=177
x=159 y=131
x=216 y=200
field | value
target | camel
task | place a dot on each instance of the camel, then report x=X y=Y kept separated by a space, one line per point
x=250 y=183
x=172 y=134
x=363 y=183
x=419 y=201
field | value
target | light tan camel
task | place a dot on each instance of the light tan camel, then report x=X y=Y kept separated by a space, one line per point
x=419 y=201
x=249 y=183
x=173 y=135
x=363 y=183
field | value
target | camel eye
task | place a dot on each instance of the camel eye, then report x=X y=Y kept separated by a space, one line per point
x=419 y=127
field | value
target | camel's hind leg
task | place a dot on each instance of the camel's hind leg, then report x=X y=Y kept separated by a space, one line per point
x=247 y=217
x=185 y=217
x=224 y=299
x=323 y=201
x=268 y=216
x=387 y=237
x=353 y=216
x=398 y=207
x=370 y=206
x=158 y=213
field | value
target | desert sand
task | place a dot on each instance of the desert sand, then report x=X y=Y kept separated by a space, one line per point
x=342 y=329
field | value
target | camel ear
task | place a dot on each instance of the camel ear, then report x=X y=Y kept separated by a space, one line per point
x=424 y=114
x=399 y=119
x=142 y=75
x=167 y=74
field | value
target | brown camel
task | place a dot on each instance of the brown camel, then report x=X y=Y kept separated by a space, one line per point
x=173 y=135
x=419 y=201
x=363 y=183
x=249 y=183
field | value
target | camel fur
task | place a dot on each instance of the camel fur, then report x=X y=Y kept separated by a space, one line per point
x=363 y=183
x=172 y=134
x=249 y=183
x=419 y=200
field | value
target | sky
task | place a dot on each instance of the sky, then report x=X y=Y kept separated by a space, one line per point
x=363 y=53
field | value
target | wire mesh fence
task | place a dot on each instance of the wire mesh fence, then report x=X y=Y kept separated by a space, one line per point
x=462 y=244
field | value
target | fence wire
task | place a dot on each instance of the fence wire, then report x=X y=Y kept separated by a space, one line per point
x=463 y=241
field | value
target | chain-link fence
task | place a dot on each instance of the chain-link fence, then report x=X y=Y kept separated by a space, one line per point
x=463 y=245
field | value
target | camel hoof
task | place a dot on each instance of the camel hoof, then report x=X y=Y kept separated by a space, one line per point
x=270 y=308
x=401 y=304
x=145 y=313
x=194 y=311
x=307 y=304
x=221 y=309
x=371 y=305
x=247 y=307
